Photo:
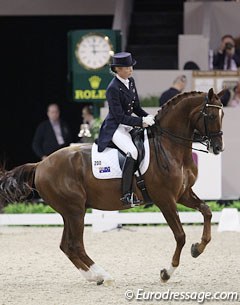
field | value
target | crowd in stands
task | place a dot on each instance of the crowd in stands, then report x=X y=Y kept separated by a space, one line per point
x=226 y=58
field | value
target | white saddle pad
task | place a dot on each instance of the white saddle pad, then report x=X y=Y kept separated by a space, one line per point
x=105 y=165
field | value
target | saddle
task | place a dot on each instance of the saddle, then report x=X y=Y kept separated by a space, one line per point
x=109 y=163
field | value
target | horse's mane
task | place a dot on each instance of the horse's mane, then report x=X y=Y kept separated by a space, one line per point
x=175 y=100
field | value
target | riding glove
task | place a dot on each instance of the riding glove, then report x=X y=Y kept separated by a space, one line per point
x=148 y=120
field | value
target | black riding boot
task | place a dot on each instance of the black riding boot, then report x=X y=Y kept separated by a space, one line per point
x=127 y=177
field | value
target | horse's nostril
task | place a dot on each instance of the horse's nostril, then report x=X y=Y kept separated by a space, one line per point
x=217 y=149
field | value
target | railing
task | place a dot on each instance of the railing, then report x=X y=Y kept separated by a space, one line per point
x=228 y=219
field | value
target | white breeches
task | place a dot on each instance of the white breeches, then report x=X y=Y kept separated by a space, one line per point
x=122 y=139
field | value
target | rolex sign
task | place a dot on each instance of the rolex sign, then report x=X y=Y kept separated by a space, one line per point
x=90 y=53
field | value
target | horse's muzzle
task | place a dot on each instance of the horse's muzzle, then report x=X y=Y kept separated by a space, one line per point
x=217 y=149
x=216 y=146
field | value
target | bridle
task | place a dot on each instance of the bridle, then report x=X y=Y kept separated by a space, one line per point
x=207 y=138
x=208 y=135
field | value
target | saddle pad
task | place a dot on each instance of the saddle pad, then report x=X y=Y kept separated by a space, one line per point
x=105 y=165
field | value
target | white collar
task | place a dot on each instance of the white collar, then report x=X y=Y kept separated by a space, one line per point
x=124 y=81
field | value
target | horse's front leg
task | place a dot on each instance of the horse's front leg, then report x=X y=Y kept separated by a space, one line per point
x=189 y=199
x=170 y=213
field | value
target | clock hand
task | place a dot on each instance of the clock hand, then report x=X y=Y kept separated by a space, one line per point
x=94 y=49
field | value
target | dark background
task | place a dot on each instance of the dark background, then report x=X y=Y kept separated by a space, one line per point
x=33 y=65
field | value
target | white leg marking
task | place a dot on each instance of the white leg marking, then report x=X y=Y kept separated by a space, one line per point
x=96 y=274
x=171 y=270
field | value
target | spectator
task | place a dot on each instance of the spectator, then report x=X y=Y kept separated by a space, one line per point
x=51 y=134
x=87 y=115
x=235 y=102
x=227 y=57
x=190 y=65
x=86 y=128
x=226 y=97
x=178 y=86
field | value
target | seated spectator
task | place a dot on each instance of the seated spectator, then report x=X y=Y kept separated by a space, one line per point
x=235 y=102
x=226 y=98
x=227 y=57
x=190 y=65
x=177 y=87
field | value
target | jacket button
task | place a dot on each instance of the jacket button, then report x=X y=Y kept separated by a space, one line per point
x=133 y=102
x=131 y=108
x=128 y=110
x=129 y=104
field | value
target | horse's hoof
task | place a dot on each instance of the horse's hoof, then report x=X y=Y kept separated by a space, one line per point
x=164 y=275
x=108 y=282
x=100 y=282
x=194 y=250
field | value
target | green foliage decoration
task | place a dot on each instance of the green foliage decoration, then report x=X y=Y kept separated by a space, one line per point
x=24 y=207
x=149 y=101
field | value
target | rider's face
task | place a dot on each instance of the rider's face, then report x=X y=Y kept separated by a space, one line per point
x=124 y=72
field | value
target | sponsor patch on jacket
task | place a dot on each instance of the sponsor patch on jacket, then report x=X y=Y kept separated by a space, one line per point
x=105 y=169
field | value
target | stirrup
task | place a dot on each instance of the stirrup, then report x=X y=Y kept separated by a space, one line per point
x=131 y=199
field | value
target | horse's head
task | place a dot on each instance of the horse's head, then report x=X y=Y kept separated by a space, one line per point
x=208 y=121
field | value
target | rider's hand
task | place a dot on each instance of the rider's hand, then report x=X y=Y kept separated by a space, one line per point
x=148 y=120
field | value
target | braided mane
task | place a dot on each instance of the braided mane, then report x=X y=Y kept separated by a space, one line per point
x=175 y=100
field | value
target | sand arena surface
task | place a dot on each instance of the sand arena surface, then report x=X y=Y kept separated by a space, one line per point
x=34 y=271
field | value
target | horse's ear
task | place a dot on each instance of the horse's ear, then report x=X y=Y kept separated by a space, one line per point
x=221 y=93
x=210 y=94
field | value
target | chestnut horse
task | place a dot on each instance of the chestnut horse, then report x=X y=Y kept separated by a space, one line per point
x=65 y=180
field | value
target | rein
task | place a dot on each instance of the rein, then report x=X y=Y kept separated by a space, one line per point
x=203 y=141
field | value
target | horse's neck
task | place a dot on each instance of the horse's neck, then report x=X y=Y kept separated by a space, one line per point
x=177 y=118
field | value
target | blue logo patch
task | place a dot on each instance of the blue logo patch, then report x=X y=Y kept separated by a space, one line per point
x=105 y=169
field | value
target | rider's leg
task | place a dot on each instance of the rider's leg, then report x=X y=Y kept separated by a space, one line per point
x=123 y=140
x=127 y=177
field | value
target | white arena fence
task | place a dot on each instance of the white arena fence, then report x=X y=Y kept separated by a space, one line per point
x=228 y=219
x=107 y=217
x=104 y=216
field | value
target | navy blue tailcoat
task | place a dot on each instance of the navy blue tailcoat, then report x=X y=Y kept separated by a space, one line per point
x=122 y=103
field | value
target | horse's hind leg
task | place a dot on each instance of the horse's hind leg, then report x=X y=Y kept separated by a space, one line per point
x=170 y=213
x=189 y=199
x=72 y=245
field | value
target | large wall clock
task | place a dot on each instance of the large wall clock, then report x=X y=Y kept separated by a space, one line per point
x=94 y=51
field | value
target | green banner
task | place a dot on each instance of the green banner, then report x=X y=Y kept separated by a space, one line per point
x=90 y=52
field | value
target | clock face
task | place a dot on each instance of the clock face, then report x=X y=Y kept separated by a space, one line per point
x=94 y=51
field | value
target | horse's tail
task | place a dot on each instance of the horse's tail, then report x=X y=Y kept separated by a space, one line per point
x=16 y=184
